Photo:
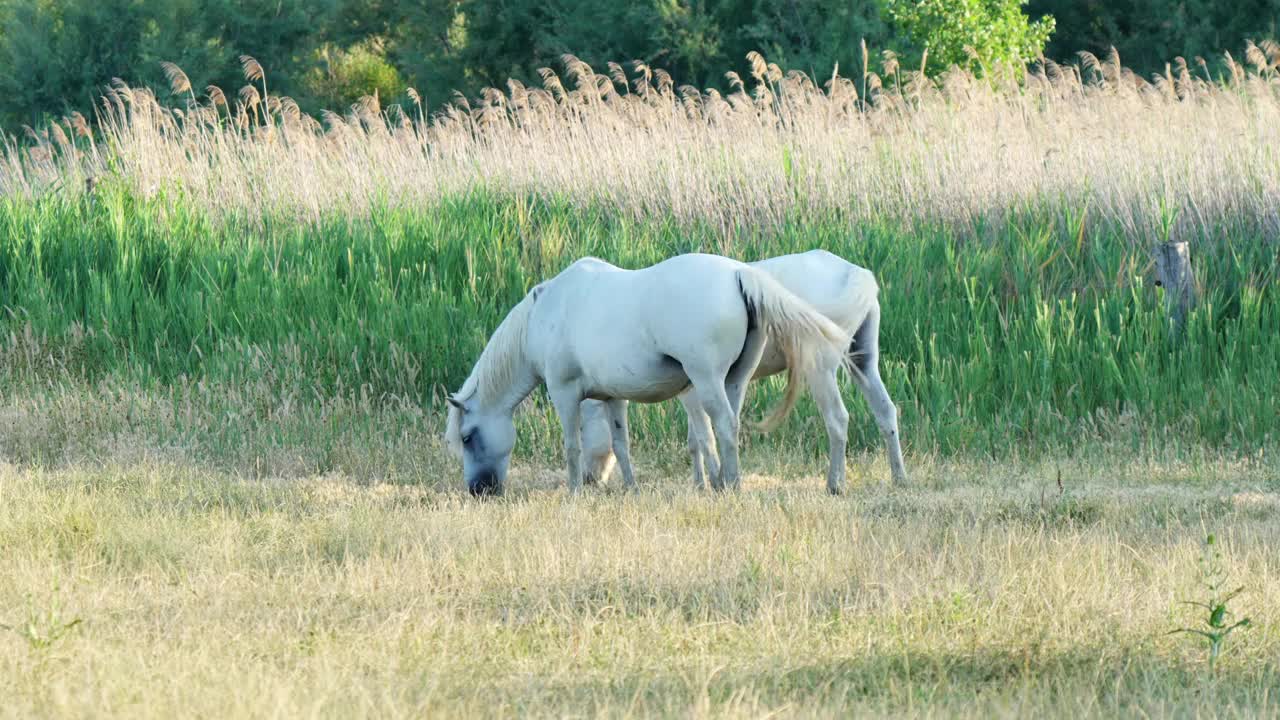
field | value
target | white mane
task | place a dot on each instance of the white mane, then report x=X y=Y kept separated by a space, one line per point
x=495 y=371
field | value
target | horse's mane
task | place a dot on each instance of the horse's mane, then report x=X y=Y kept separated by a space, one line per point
x=496 y=369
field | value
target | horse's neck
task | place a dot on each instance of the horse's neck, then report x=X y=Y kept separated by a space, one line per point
x=507 y=372
x=523 y=382
x=522 y=376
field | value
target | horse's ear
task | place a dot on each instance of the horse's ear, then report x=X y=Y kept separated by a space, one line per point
x=536 y=292
x=453 y=401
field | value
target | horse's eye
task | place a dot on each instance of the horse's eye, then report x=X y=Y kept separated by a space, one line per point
x=466 y=439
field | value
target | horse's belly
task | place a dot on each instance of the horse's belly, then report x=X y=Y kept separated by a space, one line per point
x=657 y=379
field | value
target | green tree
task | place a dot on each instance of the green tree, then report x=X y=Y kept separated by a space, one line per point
x=345 y=75
x=813 y=37
x=57 y=55
x=695 y=40
x=423 y=41
x=973 y=34
x=1149 y=33
x=512 y=38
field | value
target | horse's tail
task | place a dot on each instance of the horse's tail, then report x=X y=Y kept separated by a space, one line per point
x=805 y=336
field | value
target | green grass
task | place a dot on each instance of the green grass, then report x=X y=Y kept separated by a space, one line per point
x=1033 y=333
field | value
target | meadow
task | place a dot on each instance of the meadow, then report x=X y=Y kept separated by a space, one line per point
x=161 y=589
x=227 y=329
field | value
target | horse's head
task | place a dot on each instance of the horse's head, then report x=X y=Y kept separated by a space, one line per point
x=483 y=440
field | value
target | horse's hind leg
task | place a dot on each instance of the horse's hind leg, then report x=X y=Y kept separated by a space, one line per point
x=714 y=400
x=886 y=415
x=744 y=368
x=702 y=443
x=735 y=391
x=704 y=427
x=866 y=357
x=621 y=440
x=826 y=392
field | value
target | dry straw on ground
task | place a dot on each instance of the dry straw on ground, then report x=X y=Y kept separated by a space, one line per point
x=159 y=590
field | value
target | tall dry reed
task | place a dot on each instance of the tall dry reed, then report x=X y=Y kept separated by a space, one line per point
x=1185 y=149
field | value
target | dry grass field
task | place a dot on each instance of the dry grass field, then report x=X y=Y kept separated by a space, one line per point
x=162 y=589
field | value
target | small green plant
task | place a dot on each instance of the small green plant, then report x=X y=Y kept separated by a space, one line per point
x=1217 y=616
x=43 y=628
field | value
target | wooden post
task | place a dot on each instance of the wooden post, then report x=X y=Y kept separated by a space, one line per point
x=1173 y=267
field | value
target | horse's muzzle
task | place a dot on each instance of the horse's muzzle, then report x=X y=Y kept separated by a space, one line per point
x=485 y=483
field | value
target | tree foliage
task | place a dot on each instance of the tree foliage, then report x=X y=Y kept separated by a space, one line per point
x=1149 y=33
x=973 y=34
x=57 y=55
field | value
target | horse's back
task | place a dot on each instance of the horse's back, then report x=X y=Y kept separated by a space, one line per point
x=696 y=291
x=696 y=269
x=604 y=286
x=633 y=333
x=588 y=265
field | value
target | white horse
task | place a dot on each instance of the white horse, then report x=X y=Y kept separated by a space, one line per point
x=846 y=294
x=600 y=332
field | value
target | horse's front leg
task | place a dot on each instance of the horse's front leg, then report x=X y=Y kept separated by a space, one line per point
x=597 y=442
x=567 y=401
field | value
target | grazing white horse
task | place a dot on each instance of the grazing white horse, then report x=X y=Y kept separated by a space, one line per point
x=840 y=290
x=599 y=332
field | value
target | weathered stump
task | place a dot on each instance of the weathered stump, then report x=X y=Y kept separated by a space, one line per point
x=1173 y=268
